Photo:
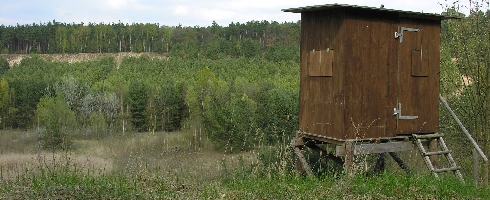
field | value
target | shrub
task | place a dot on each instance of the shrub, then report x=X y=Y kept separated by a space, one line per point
x=56 y=119
x=233 y=126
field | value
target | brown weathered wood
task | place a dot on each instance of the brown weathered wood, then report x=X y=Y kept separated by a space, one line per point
x=301 y=160
x=476 y=167
x=371 y=73
x=337 y=141
x=428 y=136
x=324 y=154
x=485 y=174
x=418 y=94
x=354 y=74
x=320 y=62
x=432 y=148
x=437 y=153
x=298 y=140
x=450 y=159
x=447 y=169
x=362 y=149
x=399 y=161
x=349 y=158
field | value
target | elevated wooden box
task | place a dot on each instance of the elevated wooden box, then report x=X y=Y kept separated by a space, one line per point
x=368 y=72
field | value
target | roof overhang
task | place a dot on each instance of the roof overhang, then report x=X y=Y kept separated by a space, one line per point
x=401 y=13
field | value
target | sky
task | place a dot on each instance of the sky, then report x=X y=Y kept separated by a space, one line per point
x=174 y=12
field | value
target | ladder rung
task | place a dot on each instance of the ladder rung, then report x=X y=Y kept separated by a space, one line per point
x=437 y=153
x=447 y=169
x=428 y=136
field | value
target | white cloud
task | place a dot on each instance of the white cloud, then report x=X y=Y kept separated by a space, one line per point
x=181 y=10
x=217 y=14
x=116 y=4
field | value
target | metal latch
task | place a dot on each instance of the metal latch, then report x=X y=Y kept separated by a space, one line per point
x=399 y=113
x=400 y=34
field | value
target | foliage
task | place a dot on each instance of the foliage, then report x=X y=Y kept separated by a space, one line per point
x=253 y=96
x=465 y=73
x=97 y=124
x=73 y=90
x=56 y=119
x=141 y=166
x=27 y=92
x=233 y=126
x=250 y=39
x=4 y=102
x=4 y=65
x=65 y=183
x=137 y=97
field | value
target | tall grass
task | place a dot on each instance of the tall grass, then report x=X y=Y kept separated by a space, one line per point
x=169 y=166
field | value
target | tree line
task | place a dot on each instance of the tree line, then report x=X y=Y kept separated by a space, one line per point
x=250 y=39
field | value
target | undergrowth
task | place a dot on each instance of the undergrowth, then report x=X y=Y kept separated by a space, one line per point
x=133 y=170
x=69 y=184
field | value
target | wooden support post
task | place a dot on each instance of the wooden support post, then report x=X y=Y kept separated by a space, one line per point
x=301 y=163
x=379 y=166
x=485 y=174
x=476 y=166
x=299 y=166
x=399 y=161
x=349 y=158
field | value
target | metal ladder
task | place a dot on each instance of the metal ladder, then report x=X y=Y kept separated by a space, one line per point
x=444 y=151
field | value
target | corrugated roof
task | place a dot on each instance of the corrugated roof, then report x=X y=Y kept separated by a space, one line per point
x=401 y=13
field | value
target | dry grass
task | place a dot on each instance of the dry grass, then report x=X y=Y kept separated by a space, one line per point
x=170 y=166
x=166 y=154
x=14 y=165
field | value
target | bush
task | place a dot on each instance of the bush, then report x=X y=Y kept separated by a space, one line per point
x=56 y=119
x=233 y=126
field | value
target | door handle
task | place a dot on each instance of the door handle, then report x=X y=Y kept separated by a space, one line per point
x=400 y=34
x=398 y=112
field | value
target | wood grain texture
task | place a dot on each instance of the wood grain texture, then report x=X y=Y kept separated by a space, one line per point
x=371 y=73
x=418 y=93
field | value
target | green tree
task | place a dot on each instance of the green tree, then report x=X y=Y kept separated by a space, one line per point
x=465 y=70
x=4 y=102
x=4 y=66
x=56 y=120
x=27 y=95
x=250 y=48
x=137 y=104
x=62 y=39
x=98 y=124
x=232 y=127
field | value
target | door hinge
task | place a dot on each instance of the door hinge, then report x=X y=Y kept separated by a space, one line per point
x=398 y=112
x=400 y=34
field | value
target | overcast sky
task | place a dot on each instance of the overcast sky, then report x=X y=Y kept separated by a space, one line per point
x=175 y=12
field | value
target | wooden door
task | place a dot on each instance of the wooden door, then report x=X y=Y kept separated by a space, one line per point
x=418 y=77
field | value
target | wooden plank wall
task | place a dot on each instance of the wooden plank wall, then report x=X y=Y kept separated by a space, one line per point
x=366 y=82
x=370 y=86
x=321 y=98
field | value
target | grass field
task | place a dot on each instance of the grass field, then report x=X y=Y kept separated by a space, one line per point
x=182 y=165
